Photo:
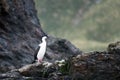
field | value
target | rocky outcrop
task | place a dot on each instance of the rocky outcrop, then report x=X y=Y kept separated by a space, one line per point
x=104 y=65
x=20 y=34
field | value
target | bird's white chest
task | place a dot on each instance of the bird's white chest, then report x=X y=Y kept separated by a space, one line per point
x=41 y=51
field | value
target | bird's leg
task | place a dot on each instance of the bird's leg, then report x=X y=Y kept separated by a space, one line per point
x=39 y=60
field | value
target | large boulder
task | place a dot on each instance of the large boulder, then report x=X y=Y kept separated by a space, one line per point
x=58 y=49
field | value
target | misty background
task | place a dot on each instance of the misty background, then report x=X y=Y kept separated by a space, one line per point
x=88 y=24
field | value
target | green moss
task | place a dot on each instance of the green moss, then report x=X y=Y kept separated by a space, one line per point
x=64 y=69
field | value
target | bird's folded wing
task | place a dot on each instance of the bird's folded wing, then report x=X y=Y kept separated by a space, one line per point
x=36 y=52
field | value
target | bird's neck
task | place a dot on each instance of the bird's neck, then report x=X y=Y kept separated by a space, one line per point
x=43 y=41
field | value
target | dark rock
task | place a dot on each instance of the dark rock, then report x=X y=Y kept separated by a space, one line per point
x=98 y=65
x=59 y=49
x=11 y=75
x=20 y=32
x=42 y=71
x=114 y=48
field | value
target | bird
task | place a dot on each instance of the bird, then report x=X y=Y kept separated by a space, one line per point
x=41 y=50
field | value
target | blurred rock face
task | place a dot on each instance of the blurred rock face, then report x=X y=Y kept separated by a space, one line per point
x=58 y=49
x=20 y=32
